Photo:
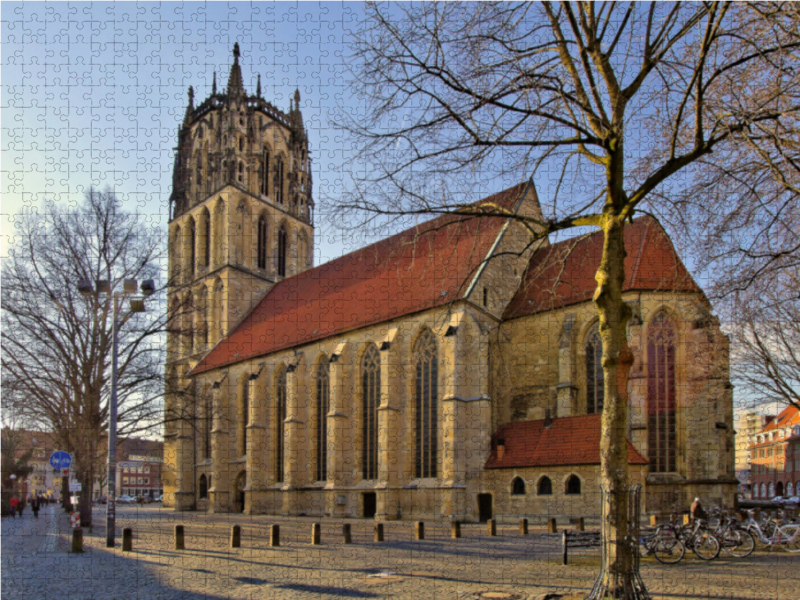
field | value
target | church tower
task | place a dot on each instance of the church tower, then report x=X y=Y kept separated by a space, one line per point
x=241 y=219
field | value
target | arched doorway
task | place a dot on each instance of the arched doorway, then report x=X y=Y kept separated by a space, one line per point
x=238 y=494
x=779 y=489
x=484 y=507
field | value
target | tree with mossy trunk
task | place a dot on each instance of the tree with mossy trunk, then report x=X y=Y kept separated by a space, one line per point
x=610 y=108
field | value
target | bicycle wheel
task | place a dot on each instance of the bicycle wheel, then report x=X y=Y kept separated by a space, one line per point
x=791 y=545
x=739 y=543
x=668 y=550
x=706 y=545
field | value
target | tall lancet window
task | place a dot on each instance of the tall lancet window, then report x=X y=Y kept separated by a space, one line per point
x=262 y=242
x=595 y=390
x=661 y=401
x=280 y=416
x=205 y=224
x=371 y=398
x=282 y=252
x=323 y=406
x=265 y=173
x=192 y=247
x=427 y=405
x=279 y=173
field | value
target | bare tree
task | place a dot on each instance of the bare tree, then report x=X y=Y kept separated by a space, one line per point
x=57 y=343
x=610 y=107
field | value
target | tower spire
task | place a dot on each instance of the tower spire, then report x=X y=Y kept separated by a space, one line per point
x=258 y=86
x=235 y=83
x=214 y=85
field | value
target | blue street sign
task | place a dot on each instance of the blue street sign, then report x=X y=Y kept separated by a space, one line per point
x=60 y=460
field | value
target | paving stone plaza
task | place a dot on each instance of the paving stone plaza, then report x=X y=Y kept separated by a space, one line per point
x=36 y=562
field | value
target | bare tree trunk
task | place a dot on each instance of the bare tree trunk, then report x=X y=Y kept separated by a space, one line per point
x=617 y=576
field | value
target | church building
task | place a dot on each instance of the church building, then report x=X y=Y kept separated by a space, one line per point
x=449 y=371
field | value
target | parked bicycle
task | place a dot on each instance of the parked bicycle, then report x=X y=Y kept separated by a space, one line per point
x=664 y=545
x=774 y=533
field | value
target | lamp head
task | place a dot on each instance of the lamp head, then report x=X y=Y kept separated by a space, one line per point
x=148 y=287
x=85 y=287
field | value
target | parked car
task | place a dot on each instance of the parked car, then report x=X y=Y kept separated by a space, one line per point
x=125 y=500
x=792 y=501
x=159 y=498
x=777 y=500
x=102 y=500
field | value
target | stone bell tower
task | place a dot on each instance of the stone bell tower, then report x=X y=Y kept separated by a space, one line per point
x=241 y=219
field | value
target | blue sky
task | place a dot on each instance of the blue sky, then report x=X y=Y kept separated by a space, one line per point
x=94 y=93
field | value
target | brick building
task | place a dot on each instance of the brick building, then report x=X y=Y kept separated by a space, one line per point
x=381 y=383
x=774 y=458
x=139 y=465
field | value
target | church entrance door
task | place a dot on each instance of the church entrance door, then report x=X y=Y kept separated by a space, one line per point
x=370 y=505
x=484 y=507
x=241 y=482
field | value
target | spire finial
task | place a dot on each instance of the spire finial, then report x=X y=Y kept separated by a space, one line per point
x=297 y=98
x=214 y=84
x=236 y=52
x=191 y=97
x=258 y=86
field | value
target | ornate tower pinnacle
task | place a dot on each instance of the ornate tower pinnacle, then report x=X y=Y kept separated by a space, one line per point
x=235 y=82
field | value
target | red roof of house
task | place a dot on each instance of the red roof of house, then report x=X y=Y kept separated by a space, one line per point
x=568 y=441
x=563 y=273
x=423 y=267
x=788 y=415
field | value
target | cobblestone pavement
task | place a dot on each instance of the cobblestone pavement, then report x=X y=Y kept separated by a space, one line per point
x=36 y=563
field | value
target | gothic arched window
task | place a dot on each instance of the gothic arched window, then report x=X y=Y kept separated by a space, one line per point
x=323 y=406
x=661 y=401
x=518 y=487
x=199 y=176
x=371 y=399
x=282 y=252
x=202 y=487
x=279 y=179
x=427 y=405
x=265 y=173
x=280 y=416
x=594 y=373
x=573 y=487
x=206 y=235
x=201 y=319
x=241 y=145
x=545 y=487
x=262 y=242
x=192 y=247
x=241 y=172
x=177 y=254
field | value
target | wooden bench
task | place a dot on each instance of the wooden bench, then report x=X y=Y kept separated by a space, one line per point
x=580 y=539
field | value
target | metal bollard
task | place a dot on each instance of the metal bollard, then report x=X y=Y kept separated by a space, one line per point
x=127 y=539
x=419 y=530
x=378 y=532
x=455 y=529
x=552 y=526
x=179 y=545
x=236 y=536
x=579 y=525
x=523 y=526
x=347 y=538
x=275 y=536
x=491 y=527
x=315 y=534
x=77 y=540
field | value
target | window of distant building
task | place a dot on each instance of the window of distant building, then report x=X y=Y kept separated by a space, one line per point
x=594 y=372
x=661 y=402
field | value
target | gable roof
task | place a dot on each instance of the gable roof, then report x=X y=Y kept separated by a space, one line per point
x=568 y=441
x=420 y=268
x=563 y=274
x=788 y=415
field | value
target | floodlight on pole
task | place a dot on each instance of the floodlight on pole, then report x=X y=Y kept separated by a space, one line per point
x=103 y=286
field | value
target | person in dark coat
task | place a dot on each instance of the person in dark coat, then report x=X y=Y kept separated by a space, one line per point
x=697 y=510
x=35 y=505
x=21 y=505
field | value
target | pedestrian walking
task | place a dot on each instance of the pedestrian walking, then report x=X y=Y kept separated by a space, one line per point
x=13 y=502
x=35 y=505
x=21 y=506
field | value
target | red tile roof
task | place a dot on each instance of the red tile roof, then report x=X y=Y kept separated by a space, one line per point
x=568 y=441
x=423 y=267
x=563 y=274
x=788 y=415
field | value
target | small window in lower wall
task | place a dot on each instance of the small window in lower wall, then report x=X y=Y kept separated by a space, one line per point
x=203 y=487
x=573 y=486
x=518 y=487
x=545 y=487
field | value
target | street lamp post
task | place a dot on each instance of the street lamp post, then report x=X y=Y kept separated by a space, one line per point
x=137 y=305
